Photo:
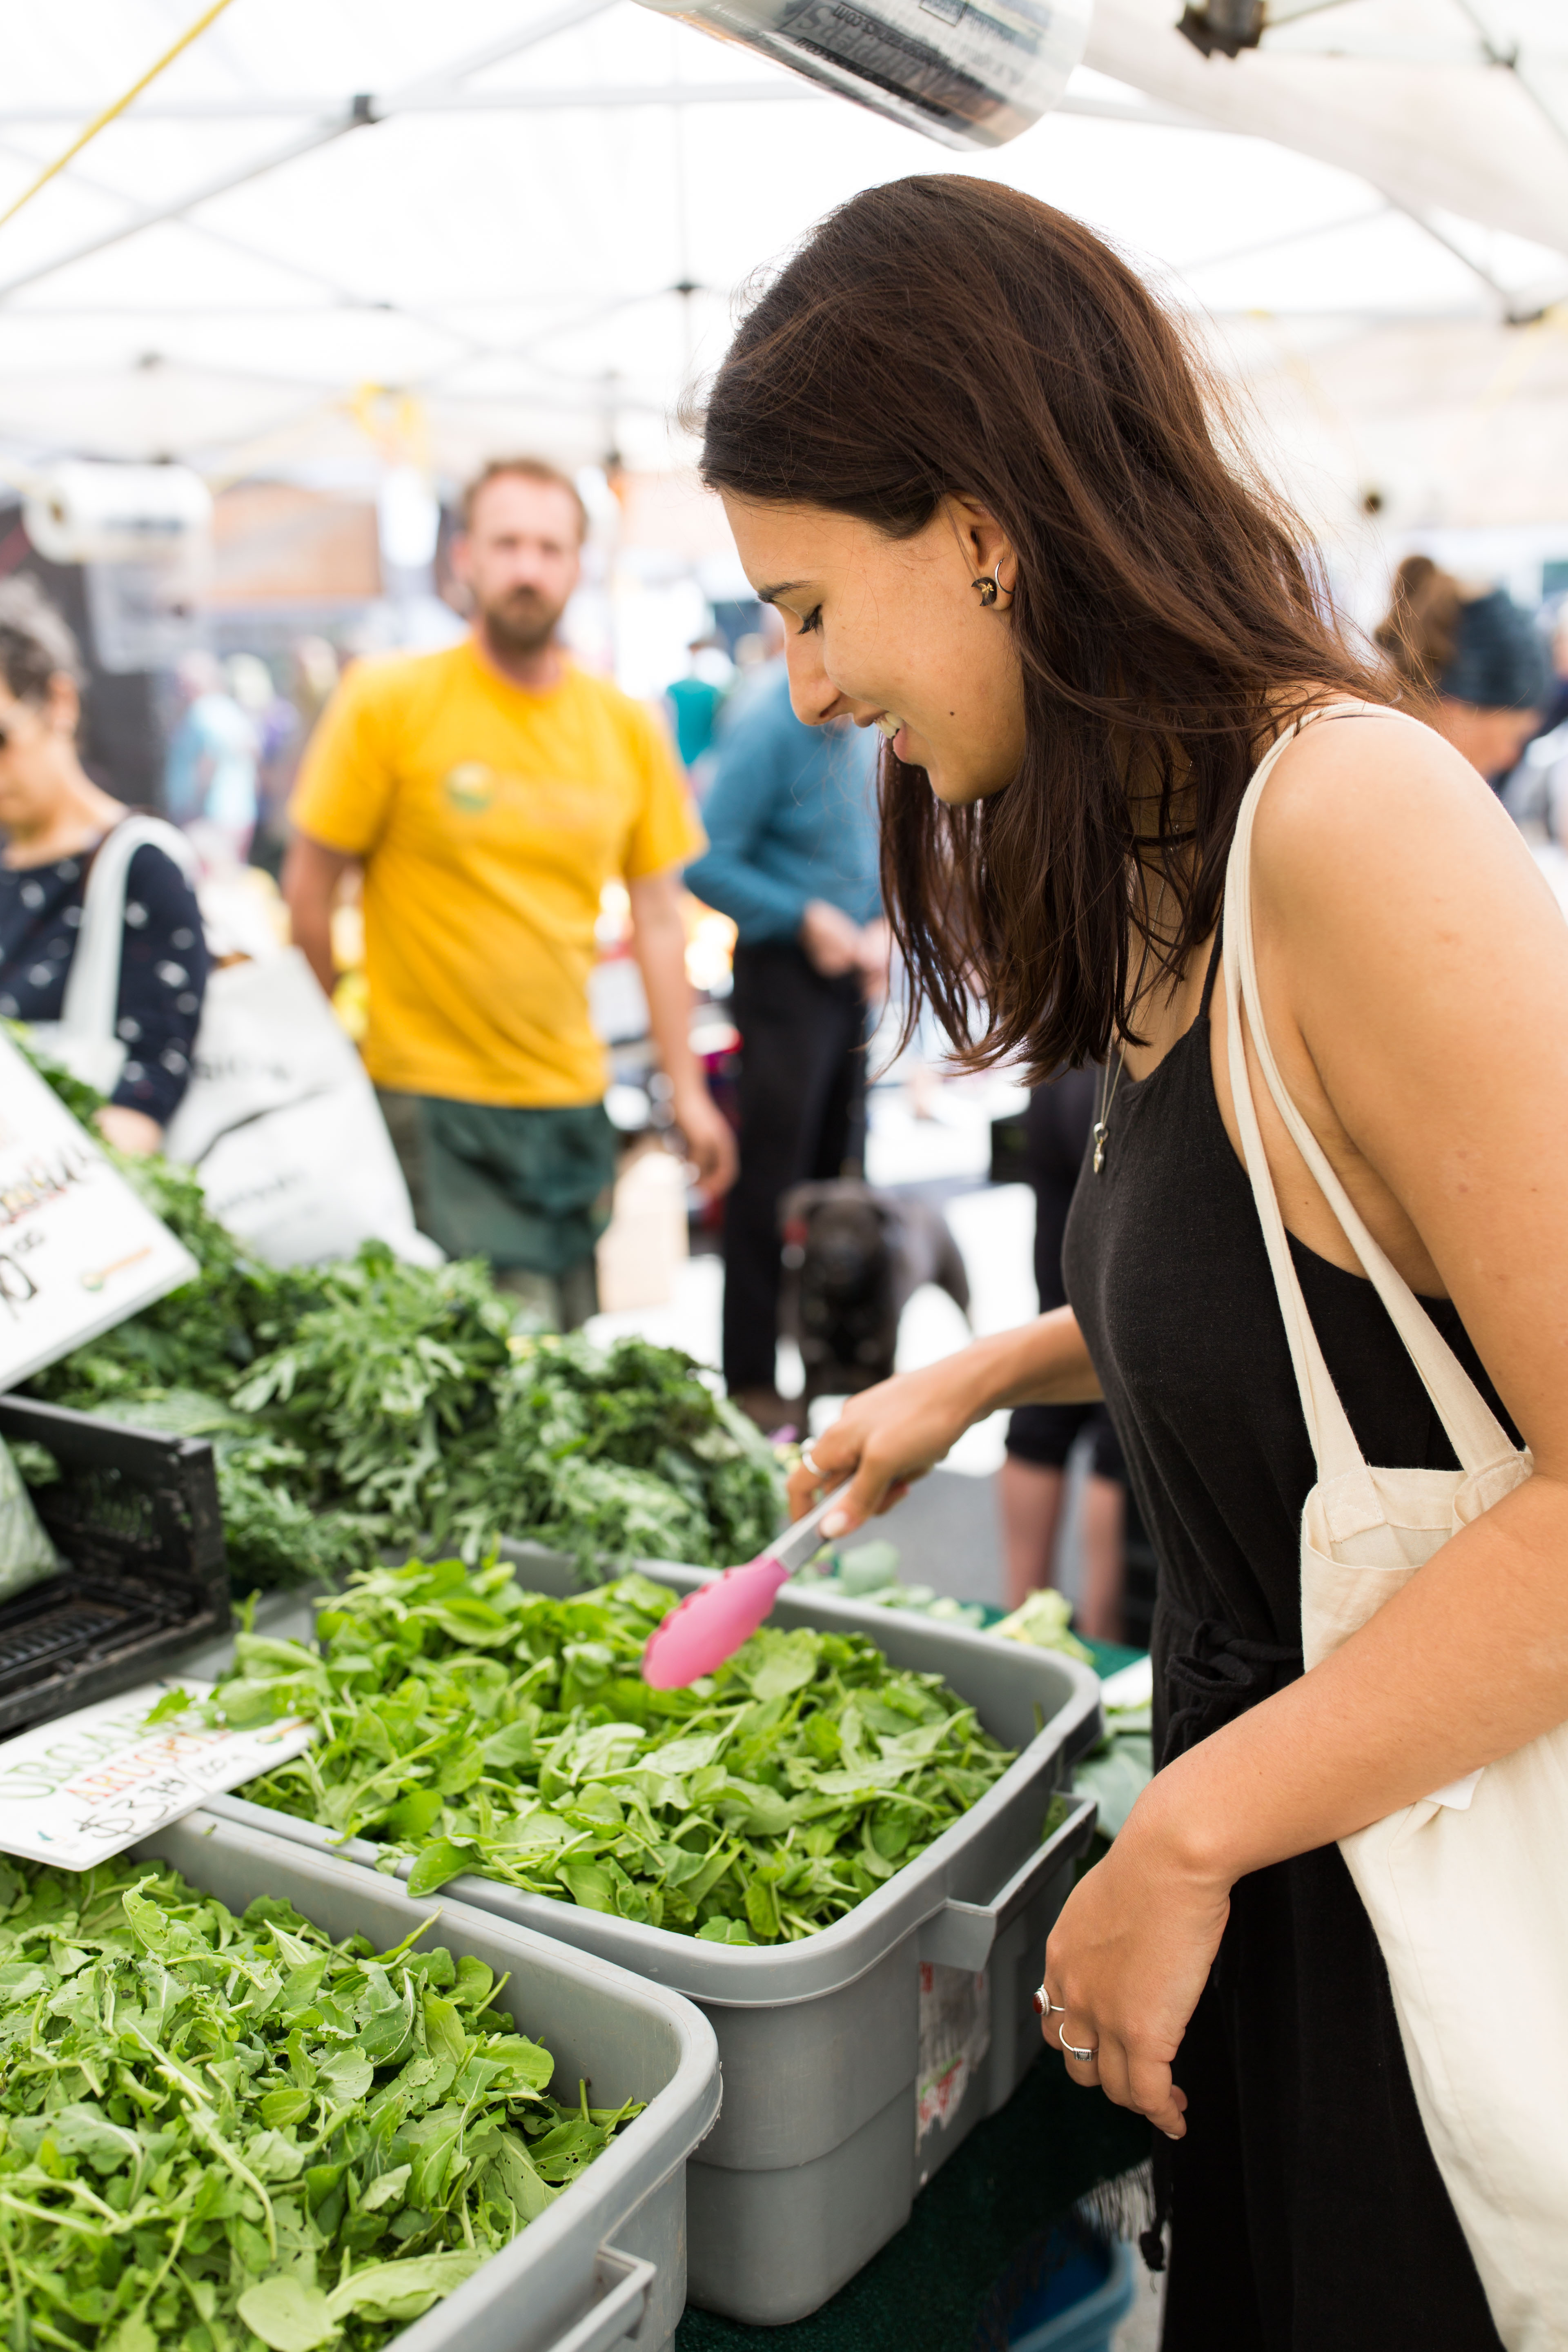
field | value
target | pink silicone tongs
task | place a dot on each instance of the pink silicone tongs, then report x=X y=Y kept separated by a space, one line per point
x=710 y=1624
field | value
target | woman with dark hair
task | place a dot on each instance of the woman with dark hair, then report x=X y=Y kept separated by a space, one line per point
x=967 y=455
x=55 y=820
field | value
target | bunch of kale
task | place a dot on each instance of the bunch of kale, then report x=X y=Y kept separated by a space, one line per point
x=371 y=1404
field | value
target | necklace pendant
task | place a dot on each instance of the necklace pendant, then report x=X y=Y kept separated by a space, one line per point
x=1099 y=1139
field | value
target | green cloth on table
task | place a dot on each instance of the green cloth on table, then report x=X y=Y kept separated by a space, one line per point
x=928 y=2287
x=1110 y=1657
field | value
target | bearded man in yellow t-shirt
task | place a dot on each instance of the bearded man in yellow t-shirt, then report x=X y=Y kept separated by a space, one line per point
x=490 y=791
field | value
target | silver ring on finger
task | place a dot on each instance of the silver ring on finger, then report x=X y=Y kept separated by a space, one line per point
x=1045 y=2007
x=1073 y=2049
x=809 y=1461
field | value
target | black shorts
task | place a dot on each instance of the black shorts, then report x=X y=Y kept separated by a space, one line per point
x=1047 y=1434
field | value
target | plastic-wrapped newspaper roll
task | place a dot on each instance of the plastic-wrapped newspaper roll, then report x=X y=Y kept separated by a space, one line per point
x=972 y=73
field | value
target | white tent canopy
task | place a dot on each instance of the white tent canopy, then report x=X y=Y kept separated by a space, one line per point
x=337 y=233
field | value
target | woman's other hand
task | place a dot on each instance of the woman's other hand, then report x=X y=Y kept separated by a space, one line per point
x=130 y=1130
x=885 y=1436
x=1128 y=1958
x=897 y=1431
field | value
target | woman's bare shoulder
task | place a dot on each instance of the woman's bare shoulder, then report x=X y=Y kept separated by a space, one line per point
x=1374 y=818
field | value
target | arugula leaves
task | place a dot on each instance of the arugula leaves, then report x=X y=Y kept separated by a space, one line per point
x=477 y=1725
x=216 y=2129
x=367 y=1404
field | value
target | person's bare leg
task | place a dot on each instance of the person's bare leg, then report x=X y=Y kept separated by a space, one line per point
x=1031 y=1499
x=1102 y=1520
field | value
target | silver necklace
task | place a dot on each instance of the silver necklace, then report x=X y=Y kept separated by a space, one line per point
x=1108 y=1084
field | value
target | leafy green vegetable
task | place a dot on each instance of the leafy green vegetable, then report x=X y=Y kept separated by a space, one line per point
x=367 y=1404
x=211 y=2125
x=871 y=1572
x=1045 y=1622
x=81 y=1100
x=478 y=1726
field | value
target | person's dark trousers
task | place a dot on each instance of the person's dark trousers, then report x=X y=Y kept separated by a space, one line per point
x=803 y=1116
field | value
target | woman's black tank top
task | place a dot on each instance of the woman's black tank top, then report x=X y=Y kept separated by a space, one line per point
x=1169 y=1279
x=1308 y=2215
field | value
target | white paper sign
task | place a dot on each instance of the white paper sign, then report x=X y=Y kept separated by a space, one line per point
x=86 y=1786
x=79 y=1249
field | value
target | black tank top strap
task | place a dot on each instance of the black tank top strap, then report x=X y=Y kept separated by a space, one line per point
x=1209 y=976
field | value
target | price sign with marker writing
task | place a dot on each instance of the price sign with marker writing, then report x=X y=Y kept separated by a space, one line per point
x=80 y=1250
x=86 y=1786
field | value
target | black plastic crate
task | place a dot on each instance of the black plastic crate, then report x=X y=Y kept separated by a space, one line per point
x=134 y=1515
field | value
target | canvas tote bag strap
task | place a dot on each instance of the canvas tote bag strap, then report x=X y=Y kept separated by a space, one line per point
x=92 y=984
x=1474 y=1432
x=1334 y=1448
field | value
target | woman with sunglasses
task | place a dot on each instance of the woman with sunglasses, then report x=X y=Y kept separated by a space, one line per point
x=54 y=819
x=968 y=458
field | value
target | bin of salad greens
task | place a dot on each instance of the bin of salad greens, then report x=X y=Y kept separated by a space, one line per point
x=317 y=2121
x=848 y=1847
x=369 y=1404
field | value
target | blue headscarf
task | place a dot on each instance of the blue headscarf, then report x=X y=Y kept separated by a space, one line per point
x=1498 y=662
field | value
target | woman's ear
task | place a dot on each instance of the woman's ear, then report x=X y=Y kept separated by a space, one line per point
x=984 y=542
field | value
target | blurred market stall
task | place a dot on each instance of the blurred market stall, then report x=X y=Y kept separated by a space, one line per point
x=529 y=222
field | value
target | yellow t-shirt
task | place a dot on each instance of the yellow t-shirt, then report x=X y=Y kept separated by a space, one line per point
x=489 y=819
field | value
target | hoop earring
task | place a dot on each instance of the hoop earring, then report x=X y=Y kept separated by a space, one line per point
x=990 y=589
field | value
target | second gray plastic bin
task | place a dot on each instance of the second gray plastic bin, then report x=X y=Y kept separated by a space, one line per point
x=856 y=2061
x=605 y=2267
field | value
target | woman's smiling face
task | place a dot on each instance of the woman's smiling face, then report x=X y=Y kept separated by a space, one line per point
x=884 y=630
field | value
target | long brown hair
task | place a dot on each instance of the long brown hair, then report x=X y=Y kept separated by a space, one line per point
x=947 y=336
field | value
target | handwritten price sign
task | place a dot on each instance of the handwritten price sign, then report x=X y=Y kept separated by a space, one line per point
x=80 y=1250
x=74 y=1791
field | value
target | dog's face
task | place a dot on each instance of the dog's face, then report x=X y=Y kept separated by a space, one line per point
x=846 y=1317
x=845 y=1248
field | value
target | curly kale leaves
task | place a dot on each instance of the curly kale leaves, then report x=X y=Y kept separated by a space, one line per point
x=479 y=1726
x=371 y=1404
x=215 y=2129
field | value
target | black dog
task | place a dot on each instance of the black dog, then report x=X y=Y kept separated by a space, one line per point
x=857 y=1258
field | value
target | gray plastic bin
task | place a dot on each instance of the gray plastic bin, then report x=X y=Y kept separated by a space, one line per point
x=827 y=2043
x=605 y=2265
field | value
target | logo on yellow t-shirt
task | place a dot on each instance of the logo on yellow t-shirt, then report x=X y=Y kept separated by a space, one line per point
x=470 y=786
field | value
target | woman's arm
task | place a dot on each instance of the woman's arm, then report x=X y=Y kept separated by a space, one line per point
x=901 y=1429
x=1414 y=972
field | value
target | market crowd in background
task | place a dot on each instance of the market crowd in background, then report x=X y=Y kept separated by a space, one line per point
x=448 y=827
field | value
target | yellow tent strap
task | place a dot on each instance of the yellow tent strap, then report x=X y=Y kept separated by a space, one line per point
x=118 y=107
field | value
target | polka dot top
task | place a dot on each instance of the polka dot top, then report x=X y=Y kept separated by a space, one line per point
x=162 y=970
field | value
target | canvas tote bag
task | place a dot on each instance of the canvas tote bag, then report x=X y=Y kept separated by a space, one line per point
x=279 y=1122
x=1467 y=1890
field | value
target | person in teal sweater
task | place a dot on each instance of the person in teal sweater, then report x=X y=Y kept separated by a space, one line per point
x=792 y=858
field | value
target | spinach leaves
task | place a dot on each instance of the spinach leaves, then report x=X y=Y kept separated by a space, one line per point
x=479 y=1726
x=214 y=2130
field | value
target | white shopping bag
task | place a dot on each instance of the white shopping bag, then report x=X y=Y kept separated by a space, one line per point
x=279 y=1120
x=282 y=1125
